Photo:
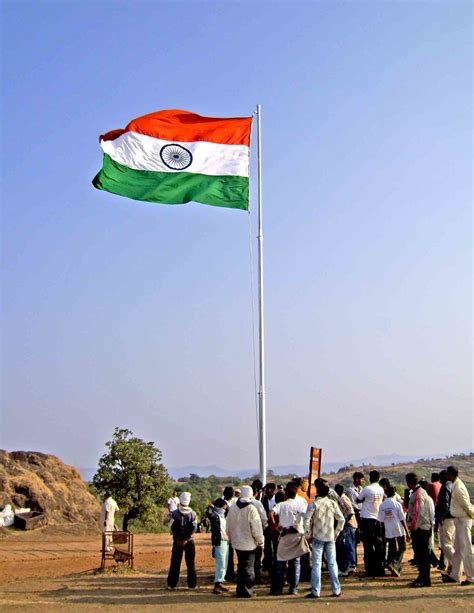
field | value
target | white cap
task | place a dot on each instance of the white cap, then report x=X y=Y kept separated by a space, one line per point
x=185 y=498
x=246 y=491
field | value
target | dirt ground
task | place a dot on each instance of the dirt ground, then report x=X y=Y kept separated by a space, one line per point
x=55 y=569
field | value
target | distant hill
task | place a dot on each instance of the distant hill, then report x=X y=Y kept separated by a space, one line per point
x=177 y=472
x=205 y=489
x=422 y=467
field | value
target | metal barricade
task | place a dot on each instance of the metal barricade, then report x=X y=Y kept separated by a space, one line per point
x=117 y=545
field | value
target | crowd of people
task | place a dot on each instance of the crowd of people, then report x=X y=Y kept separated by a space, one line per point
x=280 y=534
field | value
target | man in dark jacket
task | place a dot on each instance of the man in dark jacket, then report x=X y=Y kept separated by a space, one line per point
x=268 y=501
x=444 y=522
x=183 y=527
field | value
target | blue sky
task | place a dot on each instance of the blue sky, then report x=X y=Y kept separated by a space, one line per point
x=119 y=313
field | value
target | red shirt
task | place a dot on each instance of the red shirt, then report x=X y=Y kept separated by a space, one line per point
x=433 y=491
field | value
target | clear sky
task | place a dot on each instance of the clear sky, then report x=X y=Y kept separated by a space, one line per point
x=120 y=313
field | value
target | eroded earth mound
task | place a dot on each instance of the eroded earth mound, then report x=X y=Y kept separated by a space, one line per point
x=44 y=483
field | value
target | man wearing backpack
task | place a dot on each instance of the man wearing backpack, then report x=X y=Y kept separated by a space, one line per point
x=183 y=527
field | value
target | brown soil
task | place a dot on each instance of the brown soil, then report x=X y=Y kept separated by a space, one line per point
x=55 y=569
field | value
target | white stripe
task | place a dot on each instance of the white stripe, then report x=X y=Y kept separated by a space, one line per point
x=142 y=152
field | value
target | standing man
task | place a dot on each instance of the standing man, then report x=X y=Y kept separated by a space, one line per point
x=420 y=520
x=220 y=542
x=433 y=559
x=434 y=487
x=245 y=531
x=107 y=518
x=463 y=512
x=256 y=501
x=290 y=515
x=268 y=501
x=444 y=522
x=229 y=495
x=354 y=491
x=324 y=521
x=370 y=498
x=257 y=487
x=268 y=498
x=392 y=516
x=346 y=541
x=300 y=491
x=172 y=502
x=183 y=528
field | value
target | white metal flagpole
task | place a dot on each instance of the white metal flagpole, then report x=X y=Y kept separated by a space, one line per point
x=261 y=393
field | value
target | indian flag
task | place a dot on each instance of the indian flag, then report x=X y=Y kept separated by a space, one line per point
x=175 y=156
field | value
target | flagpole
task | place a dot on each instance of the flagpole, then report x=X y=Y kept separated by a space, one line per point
x=261 y=393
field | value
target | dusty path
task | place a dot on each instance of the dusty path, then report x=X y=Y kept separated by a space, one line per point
x=55 y=570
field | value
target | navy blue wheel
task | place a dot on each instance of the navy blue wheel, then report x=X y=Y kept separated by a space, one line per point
x=176 y=157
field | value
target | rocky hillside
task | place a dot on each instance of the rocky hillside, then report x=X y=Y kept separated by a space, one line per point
x=44 y=483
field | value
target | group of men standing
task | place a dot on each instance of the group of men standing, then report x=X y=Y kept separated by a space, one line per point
x=279 y=531
x=442 y=506
x=276 y=523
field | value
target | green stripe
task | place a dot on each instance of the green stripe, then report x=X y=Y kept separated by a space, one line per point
x=172 y=187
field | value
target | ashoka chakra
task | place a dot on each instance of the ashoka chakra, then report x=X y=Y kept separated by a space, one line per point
x=176 y=157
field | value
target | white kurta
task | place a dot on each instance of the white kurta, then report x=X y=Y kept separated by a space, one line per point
x=109 y=508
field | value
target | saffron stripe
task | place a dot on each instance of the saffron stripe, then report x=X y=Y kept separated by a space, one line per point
x=184 y=126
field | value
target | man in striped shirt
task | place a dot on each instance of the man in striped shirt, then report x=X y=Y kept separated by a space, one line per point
x=346 y=541
x=420 y=520
x=324 y=521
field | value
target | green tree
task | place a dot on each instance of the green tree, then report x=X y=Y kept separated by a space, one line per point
x=131 y=470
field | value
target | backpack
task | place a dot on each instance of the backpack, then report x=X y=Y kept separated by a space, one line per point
x=183 y=526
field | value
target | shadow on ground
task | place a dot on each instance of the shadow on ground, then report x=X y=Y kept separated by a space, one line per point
x=139 y=590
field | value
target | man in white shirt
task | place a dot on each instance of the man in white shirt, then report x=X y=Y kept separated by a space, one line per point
x=107 y=518
x=290 y=515
x=172 y=502
x=230 y=496
x=370 y=498
x=392 y=516
x=354 y=490
x=268 y=498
